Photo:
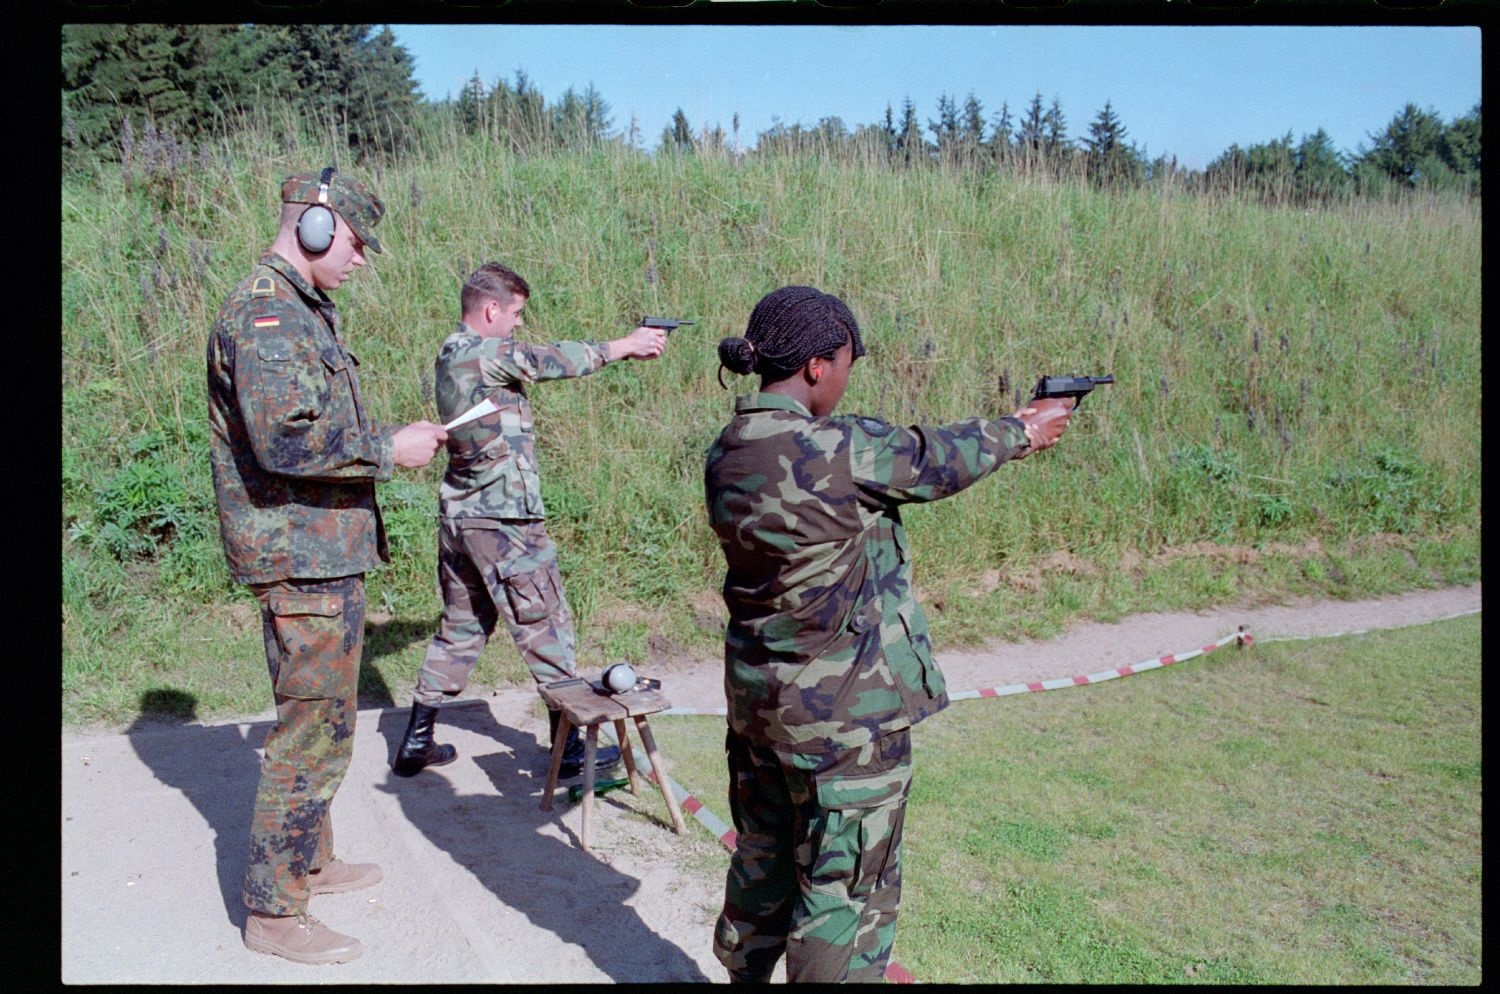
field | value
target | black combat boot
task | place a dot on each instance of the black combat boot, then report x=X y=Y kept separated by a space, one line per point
x=605 y=756
x=417 y=750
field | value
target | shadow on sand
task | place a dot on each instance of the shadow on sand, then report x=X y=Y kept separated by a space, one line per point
x=496 y=834
x=497 y=837
x=173 y=747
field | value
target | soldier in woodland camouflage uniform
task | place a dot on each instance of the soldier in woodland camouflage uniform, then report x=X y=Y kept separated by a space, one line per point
x=827 y=658
x=495 y=559
x=295 y=461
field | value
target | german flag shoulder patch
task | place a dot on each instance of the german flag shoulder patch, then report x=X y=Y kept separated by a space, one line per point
x=266 y=321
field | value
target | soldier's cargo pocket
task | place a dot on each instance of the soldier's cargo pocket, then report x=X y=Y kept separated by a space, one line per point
x=869 y=790
x=276 y=396
x=310 y=632
x=862 y=818
x=532 y=596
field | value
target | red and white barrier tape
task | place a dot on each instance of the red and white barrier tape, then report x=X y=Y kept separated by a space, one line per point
x=1242 y=637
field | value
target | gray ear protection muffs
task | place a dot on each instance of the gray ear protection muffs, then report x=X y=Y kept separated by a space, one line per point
x=315 y=226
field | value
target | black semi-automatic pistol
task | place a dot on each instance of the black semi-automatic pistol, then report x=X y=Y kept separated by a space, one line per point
x=1076 y=387
x=668 y=325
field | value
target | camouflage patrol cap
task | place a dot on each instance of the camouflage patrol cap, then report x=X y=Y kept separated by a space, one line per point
x=353 y=201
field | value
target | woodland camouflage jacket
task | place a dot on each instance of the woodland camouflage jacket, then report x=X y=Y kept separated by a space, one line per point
x=826 y=648
x=492 y=471
x=294 y=454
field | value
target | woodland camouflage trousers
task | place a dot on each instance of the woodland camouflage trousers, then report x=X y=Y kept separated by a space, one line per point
x=314 y=632
x=488 y=569
x=816 y=869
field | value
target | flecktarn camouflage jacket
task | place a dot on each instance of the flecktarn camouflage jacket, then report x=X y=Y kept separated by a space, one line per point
x=295 y=456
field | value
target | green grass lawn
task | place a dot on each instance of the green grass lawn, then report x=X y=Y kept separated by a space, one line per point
x=1295 y=812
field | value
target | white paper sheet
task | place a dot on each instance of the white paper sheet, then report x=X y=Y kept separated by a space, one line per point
x=479 y=410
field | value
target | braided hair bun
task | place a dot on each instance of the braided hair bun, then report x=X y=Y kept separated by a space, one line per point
x=736 y=355
x=788 y=327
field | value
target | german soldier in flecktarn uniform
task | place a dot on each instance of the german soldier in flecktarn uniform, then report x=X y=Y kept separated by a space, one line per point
x=495 y=559
x=295 y=461
x=827 y=658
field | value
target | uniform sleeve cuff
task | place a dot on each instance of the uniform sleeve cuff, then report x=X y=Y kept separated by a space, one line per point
x=385 y=448
x=1015 y=434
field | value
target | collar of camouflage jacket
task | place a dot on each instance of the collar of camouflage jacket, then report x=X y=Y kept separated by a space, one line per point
x=316 y=299
x=761 y=401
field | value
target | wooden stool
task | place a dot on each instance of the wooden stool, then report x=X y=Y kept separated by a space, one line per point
x=587 y=706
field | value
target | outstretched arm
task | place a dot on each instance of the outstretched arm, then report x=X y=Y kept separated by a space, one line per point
x=895 y=465
x=505 y=361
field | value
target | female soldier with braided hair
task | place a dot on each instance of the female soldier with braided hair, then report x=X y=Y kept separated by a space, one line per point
x=827 y=658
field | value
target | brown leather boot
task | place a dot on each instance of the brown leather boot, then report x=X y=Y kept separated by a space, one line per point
x=299 y=938
x=338 y=876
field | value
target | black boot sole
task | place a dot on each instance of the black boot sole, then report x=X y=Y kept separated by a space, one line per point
x=413 y=765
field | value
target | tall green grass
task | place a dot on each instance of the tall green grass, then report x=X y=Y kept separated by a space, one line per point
x=1295 y=411
x=1292 y=813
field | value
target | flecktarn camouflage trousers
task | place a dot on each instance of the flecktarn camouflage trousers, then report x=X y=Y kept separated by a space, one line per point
x=314 y=633
x=489 y=568
x=816 y=869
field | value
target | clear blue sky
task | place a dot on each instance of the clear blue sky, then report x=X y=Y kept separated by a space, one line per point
x=1185 y=91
